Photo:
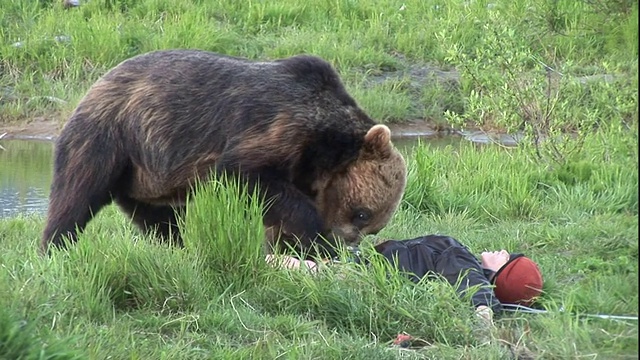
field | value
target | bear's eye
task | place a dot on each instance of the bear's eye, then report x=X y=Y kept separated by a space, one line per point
x=361 y=217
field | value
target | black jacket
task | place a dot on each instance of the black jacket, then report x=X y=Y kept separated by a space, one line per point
x=445 y=256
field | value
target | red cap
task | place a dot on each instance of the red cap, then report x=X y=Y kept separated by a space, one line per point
x=519 y=281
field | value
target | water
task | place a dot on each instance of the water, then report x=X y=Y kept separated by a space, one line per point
x=25 y=176
x=26 y=172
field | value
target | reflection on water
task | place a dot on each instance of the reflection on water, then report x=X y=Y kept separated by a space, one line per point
x=13 y=202
x=25 y=175
x=26 y=172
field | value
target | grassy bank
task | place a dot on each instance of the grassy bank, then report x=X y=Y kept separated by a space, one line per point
x=118 y=295
x=547 y=64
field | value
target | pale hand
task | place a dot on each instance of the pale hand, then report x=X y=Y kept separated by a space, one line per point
x=290 y=262
x=494 y=260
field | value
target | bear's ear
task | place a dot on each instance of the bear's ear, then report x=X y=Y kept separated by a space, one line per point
x=377 y=142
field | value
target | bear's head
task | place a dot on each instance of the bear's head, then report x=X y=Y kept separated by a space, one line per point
x=361 y=199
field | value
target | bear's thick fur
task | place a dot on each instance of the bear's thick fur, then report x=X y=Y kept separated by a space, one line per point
x=153 y=124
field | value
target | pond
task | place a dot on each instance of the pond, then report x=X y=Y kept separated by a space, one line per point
x=25 y=175
x=26 y=170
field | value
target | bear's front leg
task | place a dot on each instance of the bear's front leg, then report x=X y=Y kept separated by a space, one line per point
x=288 y=209
x=295 y=216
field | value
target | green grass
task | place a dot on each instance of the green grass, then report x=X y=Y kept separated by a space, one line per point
x=478 y=63
x=118 y=294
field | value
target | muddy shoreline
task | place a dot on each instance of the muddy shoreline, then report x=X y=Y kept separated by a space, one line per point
x=48 y=129
x=42 y=129
x=36 y=129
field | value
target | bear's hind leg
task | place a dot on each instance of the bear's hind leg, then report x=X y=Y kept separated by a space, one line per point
x=70 y=214
x=154 y=219
x=85 y=174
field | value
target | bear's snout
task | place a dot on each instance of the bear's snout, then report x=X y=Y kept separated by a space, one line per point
x=350 y=235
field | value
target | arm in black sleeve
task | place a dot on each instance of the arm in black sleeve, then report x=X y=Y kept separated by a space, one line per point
x=463 y=270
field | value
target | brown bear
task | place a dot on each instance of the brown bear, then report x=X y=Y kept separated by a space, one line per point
x=153 y=124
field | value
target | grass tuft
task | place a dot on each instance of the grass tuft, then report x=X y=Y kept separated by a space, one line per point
x=224 y=234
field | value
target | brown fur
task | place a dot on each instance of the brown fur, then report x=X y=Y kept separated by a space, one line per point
x=378 y=169
x=154 y=124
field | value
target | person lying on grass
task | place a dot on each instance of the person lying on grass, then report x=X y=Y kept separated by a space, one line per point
x=497 y=278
